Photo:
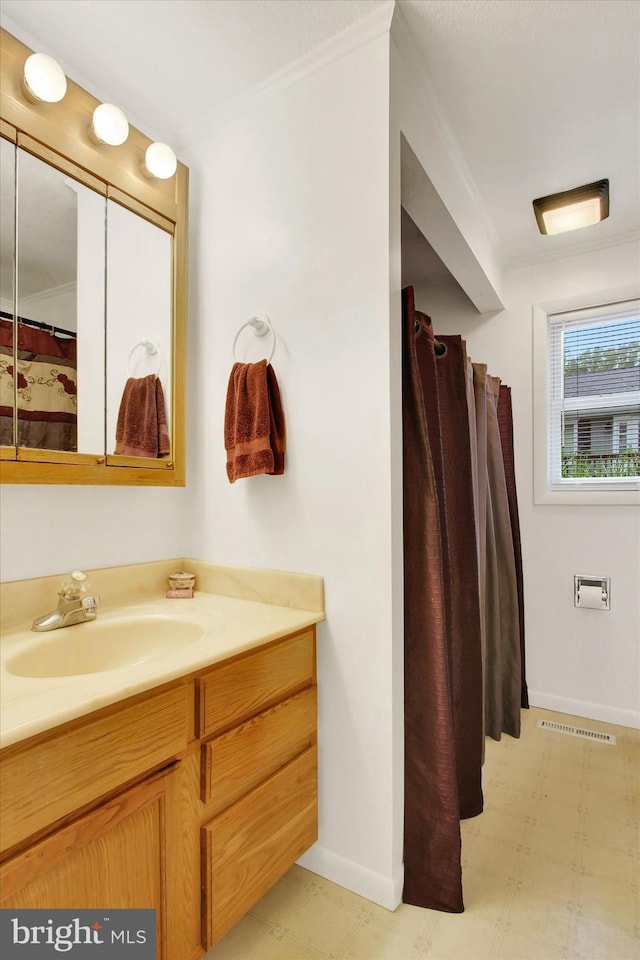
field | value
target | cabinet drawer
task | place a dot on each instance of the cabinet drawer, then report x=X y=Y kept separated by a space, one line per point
x=238 y=760
x=50 y=779
x=249 y=846
x=235 y=691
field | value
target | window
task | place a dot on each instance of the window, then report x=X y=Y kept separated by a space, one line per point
x=594 y=383
x=591 y=405
x=622 y=444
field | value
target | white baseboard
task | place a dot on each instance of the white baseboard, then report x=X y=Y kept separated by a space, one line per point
x=385 y=891
x=582 y=708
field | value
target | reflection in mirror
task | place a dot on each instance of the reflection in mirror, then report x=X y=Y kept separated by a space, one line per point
x=60 y=306
x=139 y=325
x=7 y=273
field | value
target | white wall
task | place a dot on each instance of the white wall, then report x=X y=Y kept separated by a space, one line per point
x=583 y=662
x=52 y=529
x=290 y=218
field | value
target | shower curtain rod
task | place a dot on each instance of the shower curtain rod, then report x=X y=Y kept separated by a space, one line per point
x=39 y=324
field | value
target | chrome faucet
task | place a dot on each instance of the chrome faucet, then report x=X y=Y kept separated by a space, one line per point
x=74 y=605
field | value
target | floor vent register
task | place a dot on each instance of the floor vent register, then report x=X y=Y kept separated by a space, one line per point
x=577 y=732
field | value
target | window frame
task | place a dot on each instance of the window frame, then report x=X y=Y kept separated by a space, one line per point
x=596 y=492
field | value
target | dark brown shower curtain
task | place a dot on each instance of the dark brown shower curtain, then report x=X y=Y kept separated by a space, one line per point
x=464 y=624
x=433 y=874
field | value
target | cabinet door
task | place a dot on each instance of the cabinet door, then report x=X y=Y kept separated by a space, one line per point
x=110 y=858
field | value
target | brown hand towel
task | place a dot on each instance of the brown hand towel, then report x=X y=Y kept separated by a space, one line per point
x=141 y=430
x=254 y=427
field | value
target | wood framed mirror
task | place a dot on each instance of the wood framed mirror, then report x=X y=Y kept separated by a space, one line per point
x=92 y=297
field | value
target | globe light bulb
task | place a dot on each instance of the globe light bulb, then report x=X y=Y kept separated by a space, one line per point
x=109 y=124
x=44 y=79
x=160 y=161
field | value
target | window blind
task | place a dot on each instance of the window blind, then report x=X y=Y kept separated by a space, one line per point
x=594 y=395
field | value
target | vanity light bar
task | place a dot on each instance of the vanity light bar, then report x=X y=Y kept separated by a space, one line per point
x=44 y=81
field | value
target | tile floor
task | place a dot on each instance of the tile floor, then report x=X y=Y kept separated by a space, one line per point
x=551 y=870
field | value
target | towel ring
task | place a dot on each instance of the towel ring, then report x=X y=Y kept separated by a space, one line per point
x=151 y=349
x=261 y=327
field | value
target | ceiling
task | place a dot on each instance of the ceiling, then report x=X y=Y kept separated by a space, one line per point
x=541 y=96
x=171 y=62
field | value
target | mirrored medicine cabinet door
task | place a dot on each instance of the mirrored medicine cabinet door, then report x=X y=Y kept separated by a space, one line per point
x=59 y=309
x=92 y=307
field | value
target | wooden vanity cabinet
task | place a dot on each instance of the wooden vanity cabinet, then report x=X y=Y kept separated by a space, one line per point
x=193 y=799
x=74 y=834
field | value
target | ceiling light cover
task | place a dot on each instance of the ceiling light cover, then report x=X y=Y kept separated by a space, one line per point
x=110 y=125
x=44 y=78
x=160 y=161
x=573 y=209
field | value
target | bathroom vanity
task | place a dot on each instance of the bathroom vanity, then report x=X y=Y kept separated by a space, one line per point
x=193 y=795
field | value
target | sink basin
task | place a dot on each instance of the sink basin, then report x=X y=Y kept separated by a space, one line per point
x=98 y=646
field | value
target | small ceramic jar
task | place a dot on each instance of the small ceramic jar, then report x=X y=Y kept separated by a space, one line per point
x=182 y=581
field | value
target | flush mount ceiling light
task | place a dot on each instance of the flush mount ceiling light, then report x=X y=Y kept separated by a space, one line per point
x=109 y=125
x=44 y=79
x=160 y=161
x=573 y=209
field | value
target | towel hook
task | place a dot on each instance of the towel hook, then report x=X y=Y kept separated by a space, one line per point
x=151 y=349
x=261 y=327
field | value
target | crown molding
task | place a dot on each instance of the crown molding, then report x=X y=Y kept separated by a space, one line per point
x=51 y=293
x=575 y=250
x=356 y=35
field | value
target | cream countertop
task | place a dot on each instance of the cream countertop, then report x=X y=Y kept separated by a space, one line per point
x=230 y=625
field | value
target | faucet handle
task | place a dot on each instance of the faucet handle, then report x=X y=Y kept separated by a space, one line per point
x=90 y=601
x=74 y=585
